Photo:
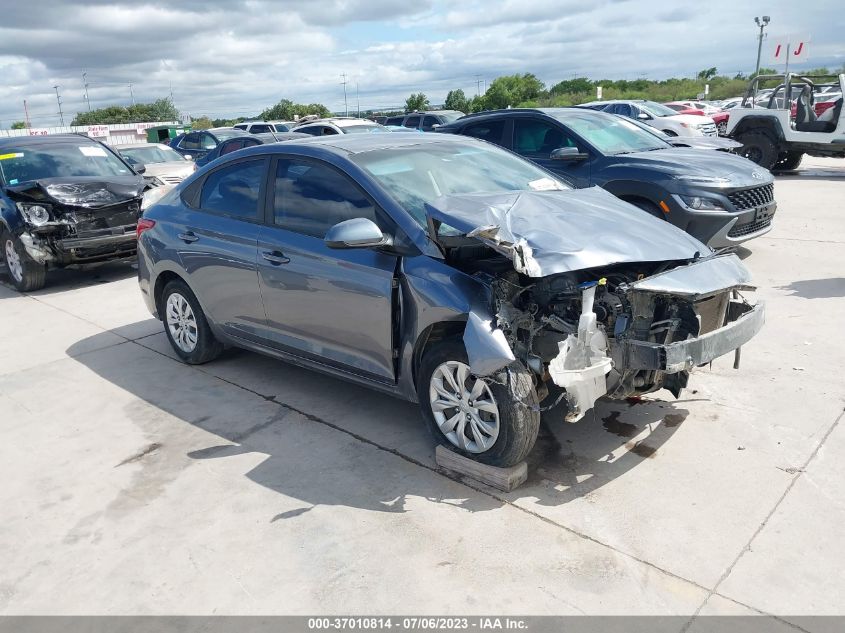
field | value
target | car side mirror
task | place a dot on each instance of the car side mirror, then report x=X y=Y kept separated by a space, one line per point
x=642 y=116
x=567 y=153
x=139 y=168
x=356 y=233
x=187 y=157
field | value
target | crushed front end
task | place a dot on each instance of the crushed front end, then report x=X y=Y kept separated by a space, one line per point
x=76 y=222
x=626 y=330
x=593 y=298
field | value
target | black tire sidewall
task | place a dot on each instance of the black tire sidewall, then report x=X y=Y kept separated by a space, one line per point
x=519 y=415
x=768 y=148
x=33 y=274
x=207 y=347
x=788 y=161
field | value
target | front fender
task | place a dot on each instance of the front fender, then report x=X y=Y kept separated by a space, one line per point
x=487 y=349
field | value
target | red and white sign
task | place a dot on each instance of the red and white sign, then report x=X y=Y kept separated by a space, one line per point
x=38 y=131
x=793 y=45
x=141 y=128
x=98 y=131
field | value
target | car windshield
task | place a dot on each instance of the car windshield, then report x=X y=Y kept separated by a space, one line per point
x=363 y=129
x=656 y=109
x=34 y=162
x=152 y=154
x=613 y=135
x=417 y=174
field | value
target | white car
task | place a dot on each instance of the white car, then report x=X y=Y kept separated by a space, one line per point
x=261 y=127
x=160 y=162
x=659 y=116
x=706 y=108
x=339 y=125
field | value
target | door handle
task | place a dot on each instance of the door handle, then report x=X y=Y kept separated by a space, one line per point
x=275 y=257
x=188 y=237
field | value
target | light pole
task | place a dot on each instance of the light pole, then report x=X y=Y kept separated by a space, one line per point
x=59 y=101
x=345 y=104
x=762 y=24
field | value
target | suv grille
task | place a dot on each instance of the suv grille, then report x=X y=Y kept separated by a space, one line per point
x=707 y=129
x=751 y=227
x=754 y=197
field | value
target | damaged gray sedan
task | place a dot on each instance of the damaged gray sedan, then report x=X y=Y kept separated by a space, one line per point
x=443 y=270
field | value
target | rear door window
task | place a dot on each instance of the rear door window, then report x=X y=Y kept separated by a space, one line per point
x=190 y=141
x=208 y=141
x=258 y=129
x=412 y=122
x=492 y=131
x=231 y=146
x=234 y=190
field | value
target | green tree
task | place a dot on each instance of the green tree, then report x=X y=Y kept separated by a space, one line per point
x=287 y=110
x=572 y=86
x=19 y=125
x=707 y=73
x=159 y=110
x=202 y=123
x=511 y=90
x=417 y=101
x=457 y=100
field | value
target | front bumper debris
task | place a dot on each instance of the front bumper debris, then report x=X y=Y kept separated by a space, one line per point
x=744 y=323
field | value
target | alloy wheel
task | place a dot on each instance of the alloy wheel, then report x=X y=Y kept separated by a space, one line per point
x=13 y=261
x=181 y=322
x=463 y=407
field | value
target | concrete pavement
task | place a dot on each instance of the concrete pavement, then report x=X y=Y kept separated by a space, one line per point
x=135 y=484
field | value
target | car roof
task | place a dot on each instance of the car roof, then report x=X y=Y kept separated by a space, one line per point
x=557 y=113
x=136 y=145
x=49 y=139
x=347 y=144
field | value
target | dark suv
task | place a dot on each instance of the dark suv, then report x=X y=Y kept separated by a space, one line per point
x=64 y=199
x=425 y=121
x=719 y=198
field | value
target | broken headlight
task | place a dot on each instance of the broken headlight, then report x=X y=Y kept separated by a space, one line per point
x=702 y=204
x=35 y=214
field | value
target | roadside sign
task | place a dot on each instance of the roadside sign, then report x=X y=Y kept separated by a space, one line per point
x=98 y=131
x=141 y=128
x=38 y=131
x=598 y=92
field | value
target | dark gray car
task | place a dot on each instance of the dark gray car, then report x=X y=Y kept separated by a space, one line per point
x=439 y=269
x=720 y=198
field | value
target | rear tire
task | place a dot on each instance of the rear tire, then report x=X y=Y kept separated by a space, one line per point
x=759 y=148
x=788 y=161
x=25 y=273
x=185 y=324
x=511 y=431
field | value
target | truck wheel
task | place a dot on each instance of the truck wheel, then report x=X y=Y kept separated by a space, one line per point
x=480 y=418
x=26 y=273
x=758 y=147
x=788 y=161
x=186 y=327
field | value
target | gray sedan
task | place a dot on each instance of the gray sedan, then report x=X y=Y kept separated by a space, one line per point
x=443 y=270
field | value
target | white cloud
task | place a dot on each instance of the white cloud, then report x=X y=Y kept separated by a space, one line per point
x=227 y=57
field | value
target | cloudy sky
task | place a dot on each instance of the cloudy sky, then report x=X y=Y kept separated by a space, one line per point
x=236 y=57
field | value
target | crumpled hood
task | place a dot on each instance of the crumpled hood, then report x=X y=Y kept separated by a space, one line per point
x=92 y=193
x=550 y=232
x=733 y=170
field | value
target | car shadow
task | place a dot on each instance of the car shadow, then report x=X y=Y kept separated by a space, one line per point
x=568 y=461
x=816 y=288
x=813 y=173
x=71 y=278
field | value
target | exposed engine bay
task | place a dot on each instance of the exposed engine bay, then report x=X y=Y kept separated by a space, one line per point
x=616 y=330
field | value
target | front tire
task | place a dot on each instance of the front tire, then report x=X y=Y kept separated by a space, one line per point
x=26 y=273
x=186 y=327
x=493 y=423
x=759 y=148
x=788 y=161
